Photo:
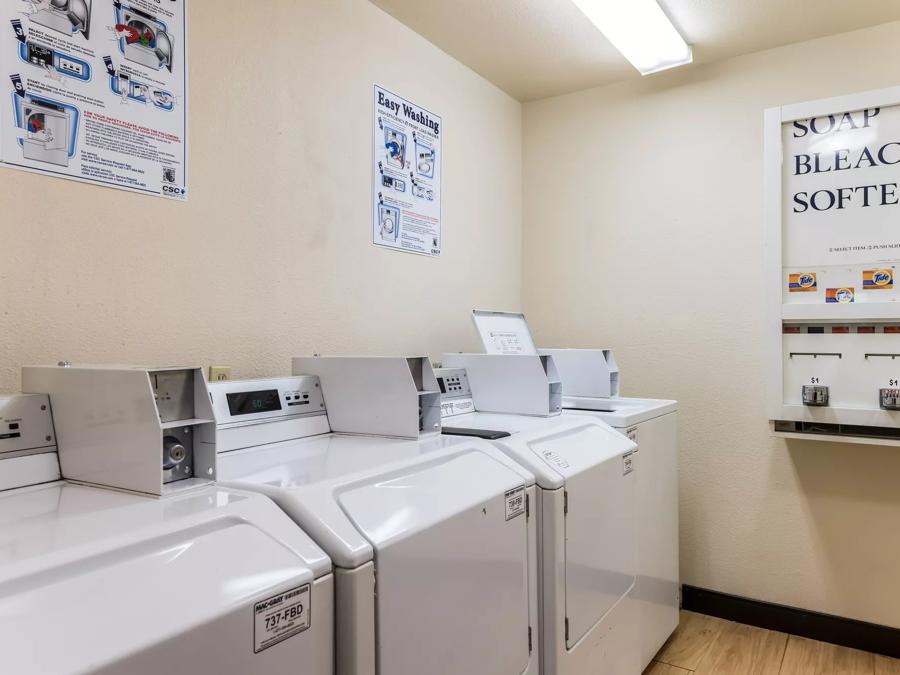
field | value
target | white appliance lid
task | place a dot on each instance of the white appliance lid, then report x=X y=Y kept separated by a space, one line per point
x=579 y=443
x=504 y=332
x=619 y=412
x=306 y=477
x=106 y=576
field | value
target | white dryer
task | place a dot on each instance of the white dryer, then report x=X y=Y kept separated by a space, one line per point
x=653 y=425
x=199 y=579
x=432 y=537
x=590 y=384
x=586 y=505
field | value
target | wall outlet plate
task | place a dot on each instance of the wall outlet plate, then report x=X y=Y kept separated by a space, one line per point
x=219 y=373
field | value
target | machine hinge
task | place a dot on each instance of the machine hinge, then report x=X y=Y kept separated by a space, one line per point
x=527 y=506
x=565 y=502
x=567 y=629
x=529 y=640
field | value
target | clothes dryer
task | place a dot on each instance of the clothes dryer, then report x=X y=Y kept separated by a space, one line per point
x=585 y=478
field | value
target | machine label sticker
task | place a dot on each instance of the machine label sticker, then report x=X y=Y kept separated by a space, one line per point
x=840 y=295
x=457 y=407
x=406 y=175
x=282 y=616
x=804 y=282
x=876 y=280
x=97 y=92
x=627 y=463
x=515 y=502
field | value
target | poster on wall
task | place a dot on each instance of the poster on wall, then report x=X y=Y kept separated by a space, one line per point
x=841 y=186
x=96 y=91
x=406 y=175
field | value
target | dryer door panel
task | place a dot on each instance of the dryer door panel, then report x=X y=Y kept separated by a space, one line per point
x=600 y=531
x=451 y=570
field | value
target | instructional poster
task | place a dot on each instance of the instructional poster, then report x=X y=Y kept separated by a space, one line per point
x=96 y=91
x=406 y=175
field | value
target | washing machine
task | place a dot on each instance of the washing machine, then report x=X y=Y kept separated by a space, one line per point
x=586 y=477
x=46 y=132
x=96 y=577
x=146 y=40
x=653 y=425
x=66 y=16
x=389 y=222
x=590 y=387
x=425 y=157
x=433 y=538
x=395 y=147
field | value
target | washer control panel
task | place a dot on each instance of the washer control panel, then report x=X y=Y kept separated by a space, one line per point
x=25 y=423
x=241 y=401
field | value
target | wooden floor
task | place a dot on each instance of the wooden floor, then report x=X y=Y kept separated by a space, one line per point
x=705 y=645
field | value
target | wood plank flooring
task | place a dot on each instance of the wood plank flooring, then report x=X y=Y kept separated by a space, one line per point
x=705 y=645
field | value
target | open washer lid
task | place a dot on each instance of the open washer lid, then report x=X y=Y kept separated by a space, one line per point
x=504 y=332
x=94 y=580
x=451 y=558
x=593 y=463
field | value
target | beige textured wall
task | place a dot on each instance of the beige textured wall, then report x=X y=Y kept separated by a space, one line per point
x=643 y=232
x=271 y=257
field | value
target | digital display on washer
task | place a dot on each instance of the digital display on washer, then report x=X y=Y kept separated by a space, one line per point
x=250 y=402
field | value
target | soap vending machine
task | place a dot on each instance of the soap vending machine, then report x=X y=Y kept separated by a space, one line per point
x=832 y=258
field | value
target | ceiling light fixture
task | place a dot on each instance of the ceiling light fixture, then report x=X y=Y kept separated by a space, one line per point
x=641 y=31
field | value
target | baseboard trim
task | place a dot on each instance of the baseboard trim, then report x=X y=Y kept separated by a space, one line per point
x=870 y=637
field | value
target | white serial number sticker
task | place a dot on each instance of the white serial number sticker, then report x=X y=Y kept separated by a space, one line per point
x=627 y=463
x=282 y=616
x=515 y=502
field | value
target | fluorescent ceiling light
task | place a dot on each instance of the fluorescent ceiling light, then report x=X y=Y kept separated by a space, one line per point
x=641 y=31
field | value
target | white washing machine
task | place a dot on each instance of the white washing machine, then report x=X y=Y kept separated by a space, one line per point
x=432 y=537
x=66 y=16
x=586 y=505
x=198 y=579
x=389 y=219
x=47 y=132
x=146 y=41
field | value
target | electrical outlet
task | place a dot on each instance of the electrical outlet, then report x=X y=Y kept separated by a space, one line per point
x=219 y=373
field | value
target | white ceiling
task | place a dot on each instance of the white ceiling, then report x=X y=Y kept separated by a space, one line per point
x=538 y=48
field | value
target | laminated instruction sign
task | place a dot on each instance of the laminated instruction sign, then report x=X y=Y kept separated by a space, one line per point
x=406 y=175
x=96 y=91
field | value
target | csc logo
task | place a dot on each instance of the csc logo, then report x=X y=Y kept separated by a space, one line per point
x=172 y=190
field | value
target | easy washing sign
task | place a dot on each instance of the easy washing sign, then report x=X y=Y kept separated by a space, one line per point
x=406 y=175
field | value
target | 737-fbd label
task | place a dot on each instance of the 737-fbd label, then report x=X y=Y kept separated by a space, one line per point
x=282 y=616
x=515 y=502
